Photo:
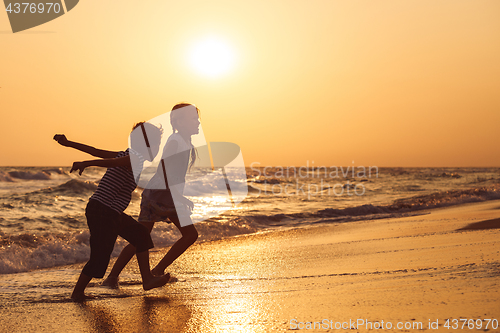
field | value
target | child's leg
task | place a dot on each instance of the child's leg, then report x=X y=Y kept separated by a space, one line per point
x=127 y=253
x=138 y=235
x=189 y=236
x=148 y=280
x=101 y=221
x=79 y=290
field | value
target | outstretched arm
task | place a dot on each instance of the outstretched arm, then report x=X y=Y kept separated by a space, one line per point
x=61 y=139
x=105 y=163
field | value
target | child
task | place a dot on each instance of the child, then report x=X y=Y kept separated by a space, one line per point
x=163 y=198
x=104 y=212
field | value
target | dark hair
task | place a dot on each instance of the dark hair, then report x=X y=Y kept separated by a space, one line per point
x=159 y=128
x=194 y=152
x=153 y=137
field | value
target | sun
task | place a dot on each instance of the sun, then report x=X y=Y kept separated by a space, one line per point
x=212 y=57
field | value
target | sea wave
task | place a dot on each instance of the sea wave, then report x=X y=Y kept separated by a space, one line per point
x=439 y=175
x=5 y=177
x=26 y=252
x=77 y=188
x=398 y=207
x=264 y=180
x=75 y=185
x=448 y=198
x=30 y=175
x=22 y=175
x=71 y=187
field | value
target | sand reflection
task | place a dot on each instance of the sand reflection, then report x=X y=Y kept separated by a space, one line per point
x=135 y=314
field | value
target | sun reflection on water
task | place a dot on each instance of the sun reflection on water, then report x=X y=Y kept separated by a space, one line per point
x=226 y=292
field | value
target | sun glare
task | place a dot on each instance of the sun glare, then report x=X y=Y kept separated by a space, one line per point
x=212 y=57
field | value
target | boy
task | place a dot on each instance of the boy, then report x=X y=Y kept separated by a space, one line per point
x=104 y=212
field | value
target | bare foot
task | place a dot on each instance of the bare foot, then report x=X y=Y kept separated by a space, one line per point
x=80 y=297
x=156 y=272
x=156 y=282
x=111 y=282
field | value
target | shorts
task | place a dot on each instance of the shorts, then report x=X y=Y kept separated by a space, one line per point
x=158 y=205
x=105 y=226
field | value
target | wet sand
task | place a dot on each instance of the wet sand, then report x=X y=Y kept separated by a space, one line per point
x=442 y=265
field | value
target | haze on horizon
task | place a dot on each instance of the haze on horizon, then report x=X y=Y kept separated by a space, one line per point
x=381 y=83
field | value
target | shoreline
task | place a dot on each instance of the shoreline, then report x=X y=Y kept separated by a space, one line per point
x=415 y=269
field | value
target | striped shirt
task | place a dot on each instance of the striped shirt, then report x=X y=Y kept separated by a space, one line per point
x=116 y=186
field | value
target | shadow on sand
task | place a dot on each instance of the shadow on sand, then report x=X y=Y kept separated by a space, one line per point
x=488 y=224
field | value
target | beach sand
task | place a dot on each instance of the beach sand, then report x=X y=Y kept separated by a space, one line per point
x=443 y=264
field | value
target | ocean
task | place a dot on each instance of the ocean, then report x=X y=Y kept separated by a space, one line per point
x=42 y=221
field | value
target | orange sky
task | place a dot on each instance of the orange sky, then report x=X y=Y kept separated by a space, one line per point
x=386 y=83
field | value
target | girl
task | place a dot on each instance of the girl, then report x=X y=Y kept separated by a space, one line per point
x=163 y=198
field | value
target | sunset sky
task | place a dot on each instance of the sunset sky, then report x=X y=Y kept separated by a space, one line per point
x=385 y=83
